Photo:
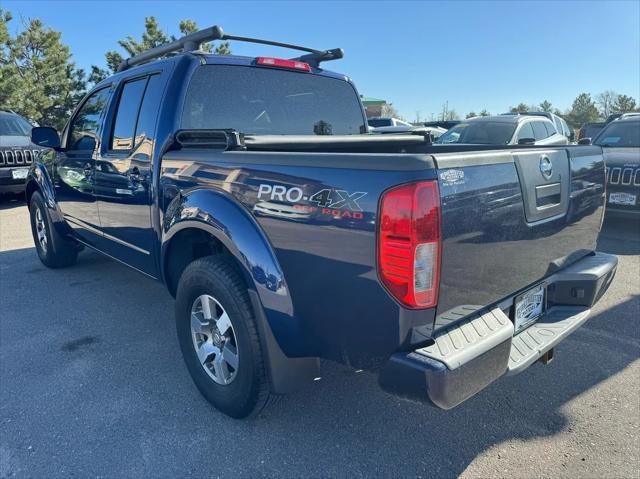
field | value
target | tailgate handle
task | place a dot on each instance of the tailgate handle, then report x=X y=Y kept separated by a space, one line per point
x=548 y=195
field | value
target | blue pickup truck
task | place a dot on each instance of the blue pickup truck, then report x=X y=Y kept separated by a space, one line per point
x=287 y=234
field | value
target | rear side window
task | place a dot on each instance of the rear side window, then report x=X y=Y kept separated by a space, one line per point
x=551 y=130
x=558 y=124
x=526 y=131
x=146 y=126
x=122 y=137
x=539 y=130
x=269 y=101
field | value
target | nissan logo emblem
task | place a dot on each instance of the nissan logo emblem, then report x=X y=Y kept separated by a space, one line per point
x=546 y=167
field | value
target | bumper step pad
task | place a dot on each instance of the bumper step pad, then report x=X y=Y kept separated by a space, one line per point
x=469 y=339
x=529 y=345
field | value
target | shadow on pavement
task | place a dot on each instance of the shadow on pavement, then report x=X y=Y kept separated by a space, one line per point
x=93 y=381
x=11 y=201
x=620 y=236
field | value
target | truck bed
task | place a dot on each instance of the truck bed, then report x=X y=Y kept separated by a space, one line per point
x=490 y=248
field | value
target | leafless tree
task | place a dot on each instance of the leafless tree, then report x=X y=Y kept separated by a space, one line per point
x=605 y=102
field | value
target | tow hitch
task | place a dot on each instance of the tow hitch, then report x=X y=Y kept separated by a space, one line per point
x=547 y=357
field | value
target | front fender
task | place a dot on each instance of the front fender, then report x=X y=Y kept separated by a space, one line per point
x=219 y=214
x=38 y=179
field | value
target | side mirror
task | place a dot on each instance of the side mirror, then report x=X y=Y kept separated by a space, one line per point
x=527 y=141
x=45 y=136
x=584 y=141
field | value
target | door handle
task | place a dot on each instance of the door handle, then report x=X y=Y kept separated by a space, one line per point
x=88 y=170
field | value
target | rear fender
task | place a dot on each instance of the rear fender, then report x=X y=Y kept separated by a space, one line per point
x=220 y=215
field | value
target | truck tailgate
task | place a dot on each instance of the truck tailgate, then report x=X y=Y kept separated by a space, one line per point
x=512 y=218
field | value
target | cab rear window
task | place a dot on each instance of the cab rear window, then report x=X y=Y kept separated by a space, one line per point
x=267 y=101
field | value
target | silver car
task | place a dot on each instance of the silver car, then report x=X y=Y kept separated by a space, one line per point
x=505 y=130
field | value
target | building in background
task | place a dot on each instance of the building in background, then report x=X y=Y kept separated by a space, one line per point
x=373 y=106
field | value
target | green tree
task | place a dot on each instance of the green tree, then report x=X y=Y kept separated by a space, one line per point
x=471 y=114
x=623 y=104
x=152 y=36
x=521 y=108
x=484 y=113
x=37 y=77
x=583 y=110
x=546 y=106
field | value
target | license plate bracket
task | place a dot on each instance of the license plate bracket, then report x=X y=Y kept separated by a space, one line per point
x=529 y=306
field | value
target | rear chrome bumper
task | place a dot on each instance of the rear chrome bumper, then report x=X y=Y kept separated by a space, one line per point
x=472 y=354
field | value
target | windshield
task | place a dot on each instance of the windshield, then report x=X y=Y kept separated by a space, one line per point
x=618 y=133
x=14 y=125
x=267 y=101
x=480 y=133
x=377 y=123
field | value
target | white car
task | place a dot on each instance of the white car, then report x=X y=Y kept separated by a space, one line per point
x=504 y=130
x=380 y=122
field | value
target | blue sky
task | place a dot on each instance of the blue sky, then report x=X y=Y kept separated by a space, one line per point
x=416 y=55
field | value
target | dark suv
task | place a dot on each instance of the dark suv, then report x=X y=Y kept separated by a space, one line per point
x=620 y=142
x=16 y=152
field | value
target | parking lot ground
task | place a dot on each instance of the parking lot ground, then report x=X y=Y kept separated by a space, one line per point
x=92 y=385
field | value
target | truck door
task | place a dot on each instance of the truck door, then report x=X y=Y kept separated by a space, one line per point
x=75 y=168
x=123 y=180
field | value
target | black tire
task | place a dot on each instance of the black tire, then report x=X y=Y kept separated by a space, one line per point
x=215 y=276
x=58 y=252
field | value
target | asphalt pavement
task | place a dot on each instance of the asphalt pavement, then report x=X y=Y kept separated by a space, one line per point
x=92 y=384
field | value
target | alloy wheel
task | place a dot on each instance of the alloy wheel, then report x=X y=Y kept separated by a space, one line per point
x=41 y=230
x=214 y=339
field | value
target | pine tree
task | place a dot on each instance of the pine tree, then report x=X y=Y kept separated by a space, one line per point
x=152 y=36
x=37 y=77
x=583 y=110
x=623 y=104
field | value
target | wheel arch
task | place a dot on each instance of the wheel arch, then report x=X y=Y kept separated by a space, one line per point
x=215 y=222
x=38 y=180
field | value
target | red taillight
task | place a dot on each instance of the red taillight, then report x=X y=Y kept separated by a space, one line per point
x=409 y=243
x=282 y=63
